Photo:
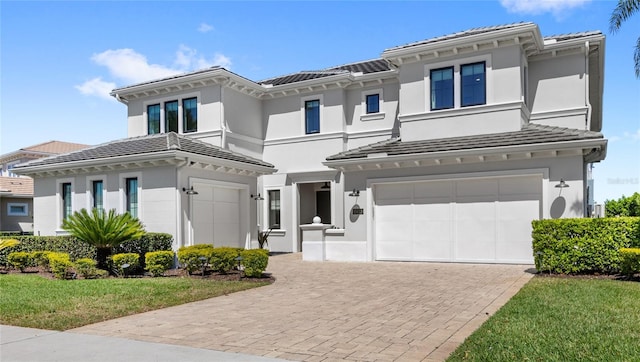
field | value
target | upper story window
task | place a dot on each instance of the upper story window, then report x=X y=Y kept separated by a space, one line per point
x=189 y=115
x=373 y=103
x=171 y=116
x=312 y=116
x=441 y=88
x=472 y=84
x=153 y=119
x=274 y=209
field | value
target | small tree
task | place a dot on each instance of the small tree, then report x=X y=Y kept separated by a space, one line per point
x=103 y=230
x=624 y=206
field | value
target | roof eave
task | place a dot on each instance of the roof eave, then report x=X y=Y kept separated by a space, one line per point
x=589 y=144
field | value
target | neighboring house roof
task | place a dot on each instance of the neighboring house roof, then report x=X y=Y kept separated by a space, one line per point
x=529 y=135
x=144 y=145
x=16 y=186
x=42 y=150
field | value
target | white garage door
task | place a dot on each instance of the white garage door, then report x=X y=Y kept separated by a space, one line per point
x=469 y=220
x=216 y=216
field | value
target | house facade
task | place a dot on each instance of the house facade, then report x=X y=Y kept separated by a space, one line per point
x=16 y=192
x=440 y=150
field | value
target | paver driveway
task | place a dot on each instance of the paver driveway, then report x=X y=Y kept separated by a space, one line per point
x=382 y=311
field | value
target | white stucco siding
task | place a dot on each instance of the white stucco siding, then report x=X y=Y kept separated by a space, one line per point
x=355 y=109
x=413 y=98
x=283 y=118
x=558 y=83
x=158 y=200
x=303 y=154
x=243 y=114
x=506 y=80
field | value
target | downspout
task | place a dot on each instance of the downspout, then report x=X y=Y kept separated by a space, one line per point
x=121 y=100
x=223 y=128
x=180 y=233
x=586 y=86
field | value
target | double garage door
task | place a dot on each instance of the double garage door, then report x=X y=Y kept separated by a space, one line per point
x=484 y=220
x=216 y=215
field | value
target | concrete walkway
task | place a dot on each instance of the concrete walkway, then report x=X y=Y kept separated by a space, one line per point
x=19 y=344
x=382 y=311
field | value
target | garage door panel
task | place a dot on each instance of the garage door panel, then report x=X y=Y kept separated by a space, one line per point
x=479 y=187
x=216 y=215
x=484 y=219
x=222 y=194
x=394 y=191
x=395 y=250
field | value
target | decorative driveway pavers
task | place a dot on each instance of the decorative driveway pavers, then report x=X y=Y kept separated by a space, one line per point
x=326 y=311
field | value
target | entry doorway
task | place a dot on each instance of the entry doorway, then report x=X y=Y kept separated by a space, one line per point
x=314 y=200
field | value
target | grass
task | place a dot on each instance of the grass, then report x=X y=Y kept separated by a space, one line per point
x=37 y=302
x=561 y=319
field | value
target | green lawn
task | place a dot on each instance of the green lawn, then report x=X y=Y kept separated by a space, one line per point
x=561 y=319
x=37 y=302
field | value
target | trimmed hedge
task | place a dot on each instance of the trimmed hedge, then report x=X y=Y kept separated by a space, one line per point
x=223 y=259
x=86 y=267
x=189 y=256
x=133 y=259
x=583 y=246
x=20 y=260
x=630 y=261
x=158 y=262
x=255 y=262
x=60 y=264
x=78 y=249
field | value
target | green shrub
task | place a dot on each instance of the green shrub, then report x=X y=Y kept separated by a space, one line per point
x=147 y=243
x=19 y=260
x=66 y=244
x=255 y=262
x=583 y=246
x=101 y=273
x=86 y=267
x=125 y=258
x=41 y=259
x=223 y=259
x=60 y=264
x=189 y=256
x=624 y=206
x=158 y=262
x=630 y=261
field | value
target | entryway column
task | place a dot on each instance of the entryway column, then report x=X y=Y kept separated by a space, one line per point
x=313 y=244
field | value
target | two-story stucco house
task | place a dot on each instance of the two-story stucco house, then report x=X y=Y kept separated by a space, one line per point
x=440 y=150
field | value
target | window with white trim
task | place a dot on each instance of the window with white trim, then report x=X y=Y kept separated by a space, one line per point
x=66 y=194
x=459 y=83
x=17 y=209
x=473 y=84
x=312 y=116
x=172 y=114
x=130 y=193
x=274 y=209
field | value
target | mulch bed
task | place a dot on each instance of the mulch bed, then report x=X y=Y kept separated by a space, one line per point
x=635 y=278
x=233 y=275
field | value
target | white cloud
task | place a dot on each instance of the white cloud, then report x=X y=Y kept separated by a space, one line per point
x=131 y=67
x=626 y=136
x=535 y=7
x=205 y=28
x=96 y=87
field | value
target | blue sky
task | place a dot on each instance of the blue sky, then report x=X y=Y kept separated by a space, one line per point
x=60 y=59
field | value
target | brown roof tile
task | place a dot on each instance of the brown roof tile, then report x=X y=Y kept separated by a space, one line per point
x=17 y=185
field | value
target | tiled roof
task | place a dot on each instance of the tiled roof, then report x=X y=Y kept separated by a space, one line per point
x=570 y=36
x=55 y=147
x=461 y=34
x=147 y=145
x=17 y=185
x=178 y=75
x=530 y=134
x=368 y=66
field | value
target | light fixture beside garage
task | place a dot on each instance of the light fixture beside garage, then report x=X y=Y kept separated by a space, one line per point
x=189 y=191
x=562 y=184
x=354 y=193
x=257 y=197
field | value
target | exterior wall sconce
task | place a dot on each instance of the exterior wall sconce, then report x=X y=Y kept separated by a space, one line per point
x=562 y=184
x=354 y=193
x=189 y=191
x=325 y=186
x=257 y=197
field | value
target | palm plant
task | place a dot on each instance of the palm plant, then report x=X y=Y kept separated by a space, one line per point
x=623 y=11
x=103 y=230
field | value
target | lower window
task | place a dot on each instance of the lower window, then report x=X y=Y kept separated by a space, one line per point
x=274 y=209
x=17 y=209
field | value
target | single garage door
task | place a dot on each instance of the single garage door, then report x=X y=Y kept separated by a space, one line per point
x=467 y=220
x=216 y=215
